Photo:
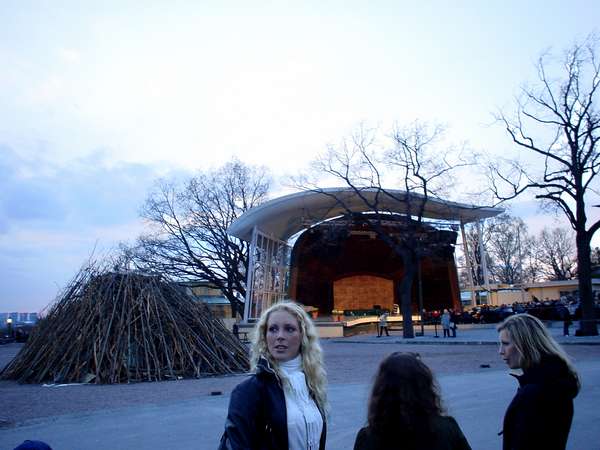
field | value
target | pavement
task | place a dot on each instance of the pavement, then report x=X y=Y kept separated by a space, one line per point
x=477 y=398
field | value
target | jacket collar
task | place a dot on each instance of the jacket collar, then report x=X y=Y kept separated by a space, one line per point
x=264 y=367
x=551 y=371
x=550 y=367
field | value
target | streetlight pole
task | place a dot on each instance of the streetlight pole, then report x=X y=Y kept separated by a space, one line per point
x=420 y=296
x=9 y=326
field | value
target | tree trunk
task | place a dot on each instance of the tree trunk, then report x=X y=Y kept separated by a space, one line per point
x=237 y=306
x=587 y=325
x=405 y=294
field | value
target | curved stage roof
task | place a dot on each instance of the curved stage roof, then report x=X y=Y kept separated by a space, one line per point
x=283 y=217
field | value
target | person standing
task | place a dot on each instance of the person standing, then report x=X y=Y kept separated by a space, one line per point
x=383 y=325
x=446 y=323
x=453 y=322
x=540 y=414
x=283 y=404
x=405 y=410
x=566 y=317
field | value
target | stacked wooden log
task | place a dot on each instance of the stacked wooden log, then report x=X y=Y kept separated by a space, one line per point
x=116 y=327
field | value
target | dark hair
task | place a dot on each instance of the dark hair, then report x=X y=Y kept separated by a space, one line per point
x=404 y=400
x=33 y=445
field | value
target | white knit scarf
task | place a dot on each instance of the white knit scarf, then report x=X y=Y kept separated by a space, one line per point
x=304 y=420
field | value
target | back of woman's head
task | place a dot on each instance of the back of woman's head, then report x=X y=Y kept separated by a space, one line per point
x=405 y=396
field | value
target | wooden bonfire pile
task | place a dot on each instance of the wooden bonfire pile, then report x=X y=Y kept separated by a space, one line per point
x=124 y=327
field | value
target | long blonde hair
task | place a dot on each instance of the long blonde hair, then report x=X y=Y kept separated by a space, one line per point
x=533 y=341
x=310 y=350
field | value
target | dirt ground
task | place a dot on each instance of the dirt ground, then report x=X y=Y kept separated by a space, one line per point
x=346 y=362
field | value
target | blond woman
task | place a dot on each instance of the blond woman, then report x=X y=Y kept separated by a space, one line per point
x=283 y=404
x=541 y=412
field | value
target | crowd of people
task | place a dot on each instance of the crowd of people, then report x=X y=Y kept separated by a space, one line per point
x=566 y=307
x=283 y=405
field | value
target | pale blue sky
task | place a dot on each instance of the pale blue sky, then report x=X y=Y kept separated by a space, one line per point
x=98 y=99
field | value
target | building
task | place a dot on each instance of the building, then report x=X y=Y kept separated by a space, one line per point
x=19 y=317
x=503 y=294
x=205 y=292
x=341 y=265
x=554 y=290
x=288 y=261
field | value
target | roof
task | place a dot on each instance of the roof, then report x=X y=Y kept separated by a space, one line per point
x=558 y=283
x=195 y=283
x=284 y=216
x=213 y=299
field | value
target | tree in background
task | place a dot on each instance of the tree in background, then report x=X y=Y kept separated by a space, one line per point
x=417 y=167
x=557 y=124
x=557 y=254
x=533 y=267
x=507 y=246
x=188 y=238
x=514 y=256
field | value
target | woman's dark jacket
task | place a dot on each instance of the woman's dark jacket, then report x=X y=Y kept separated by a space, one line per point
x=445 y=434
x=541 y=412
x=257 y=417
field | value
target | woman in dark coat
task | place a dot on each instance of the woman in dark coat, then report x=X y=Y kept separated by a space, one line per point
x=540 y=414
x=283 y=404
x=405 y=411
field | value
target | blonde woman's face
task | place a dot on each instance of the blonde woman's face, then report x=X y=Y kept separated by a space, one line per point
x=283 y=336
x=508 y=351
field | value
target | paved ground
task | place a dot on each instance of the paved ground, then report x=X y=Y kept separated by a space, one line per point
x=183 y=414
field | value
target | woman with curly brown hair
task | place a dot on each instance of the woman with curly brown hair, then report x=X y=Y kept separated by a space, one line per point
x=405 y=410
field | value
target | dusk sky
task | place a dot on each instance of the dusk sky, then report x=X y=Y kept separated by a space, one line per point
x=99 y=99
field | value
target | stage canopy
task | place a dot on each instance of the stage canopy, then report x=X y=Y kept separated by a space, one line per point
x=284 y=216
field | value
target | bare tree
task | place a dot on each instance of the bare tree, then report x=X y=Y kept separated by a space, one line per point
x=533 y=266
x=557 y=123
x=556 y=254
x=417 y=168
x=512 y=254
x=507 y=246
x=189 y=239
